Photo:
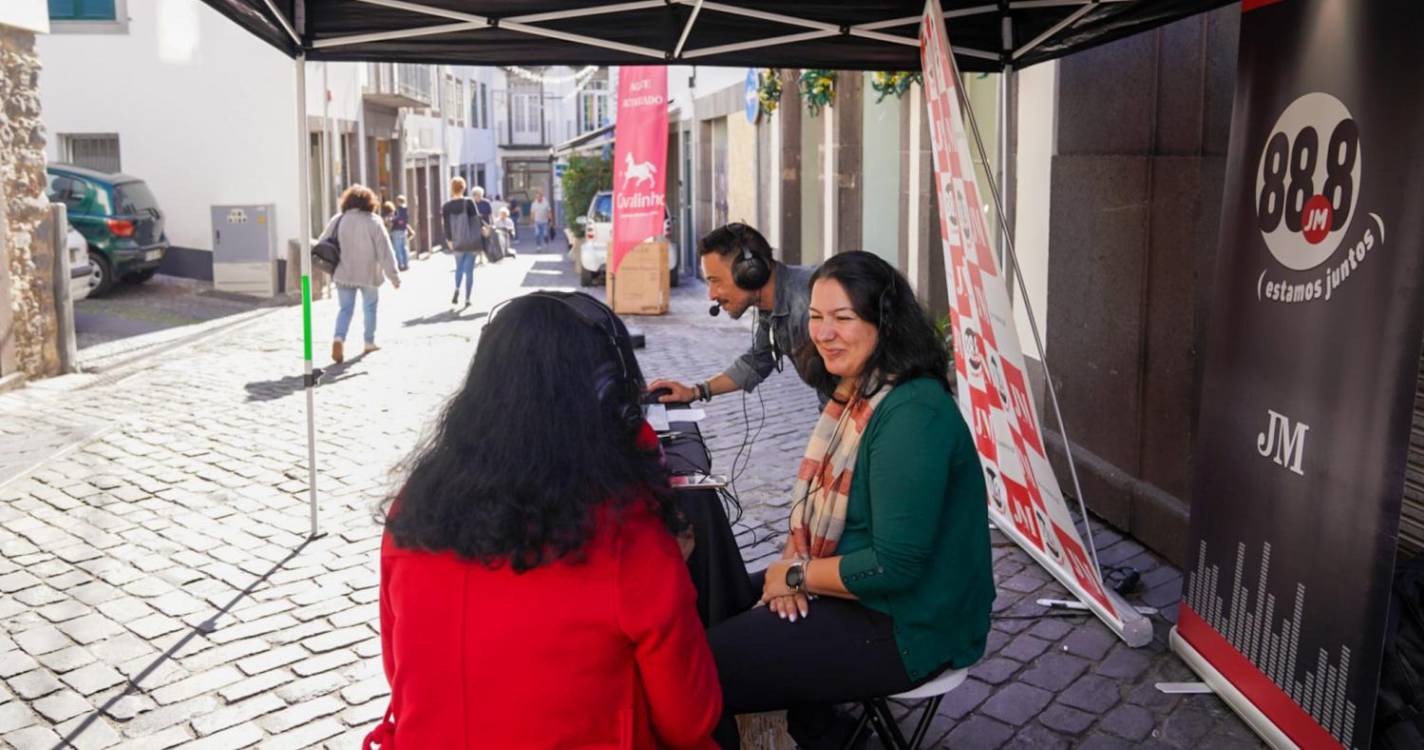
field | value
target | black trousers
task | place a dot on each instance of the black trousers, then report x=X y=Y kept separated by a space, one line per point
x=841 y=652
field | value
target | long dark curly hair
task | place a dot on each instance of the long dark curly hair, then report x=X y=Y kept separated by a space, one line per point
x=526 y=454
x=907 y=345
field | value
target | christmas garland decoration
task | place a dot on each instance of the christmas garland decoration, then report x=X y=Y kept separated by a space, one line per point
x=888 y=82
x=769 y=91
x=818 y=88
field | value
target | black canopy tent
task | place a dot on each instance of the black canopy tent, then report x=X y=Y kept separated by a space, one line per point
x=988 y=36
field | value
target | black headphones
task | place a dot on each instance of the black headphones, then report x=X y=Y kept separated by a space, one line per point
x=617 y=380
x=885 y=296
x=750 y=270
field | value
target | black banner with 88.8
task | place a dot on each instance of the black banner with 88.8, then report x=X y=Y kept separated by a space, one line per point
x=1312 y=355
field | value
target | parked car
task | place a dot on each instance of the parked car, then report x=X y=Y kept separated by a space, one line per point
x=119 y=218
x=81 y=272
x=598 y=233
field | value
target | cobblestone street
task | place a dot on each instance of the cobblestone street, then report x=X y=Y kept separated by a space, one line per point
x=157 y=587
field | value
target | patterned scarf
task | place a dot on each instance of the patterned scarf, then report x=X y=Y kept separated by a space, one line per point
x=823 y=482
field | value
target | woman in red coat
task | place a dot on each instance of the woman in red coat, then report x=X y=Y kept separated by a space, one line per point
x=532 y=592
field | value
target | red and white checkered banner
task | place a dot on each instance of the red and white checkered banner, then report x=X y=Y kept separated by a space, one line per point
x=1024 y=499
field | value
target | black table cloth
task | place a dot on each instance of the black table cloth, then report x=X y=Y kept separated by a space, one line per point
x=723 y=587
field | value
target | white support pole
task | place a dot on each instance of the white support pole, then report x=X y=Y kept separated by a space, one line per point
x=325 y=148
x=1068 y=22
x=304 y=235
x=773 y=185
x=687 y=29
x=829 y=214
x=912 y=223
x=775 y=41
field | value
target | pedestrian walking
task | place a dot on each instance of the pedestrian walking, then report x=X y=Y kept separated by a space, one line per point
x=366 y=262
x=539 y=213
x=486 y=208
x=464 y=230
x=400 y=233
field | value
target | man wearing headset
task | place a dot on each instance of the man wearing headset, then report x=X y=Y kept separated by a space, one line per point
x=740 y=273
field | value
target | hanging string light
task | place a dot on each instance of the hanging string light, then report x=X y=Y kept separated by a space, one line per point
x=532 y=77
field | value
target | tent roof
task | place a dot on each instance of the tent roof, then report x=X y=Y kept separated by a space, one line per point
x=864 y=35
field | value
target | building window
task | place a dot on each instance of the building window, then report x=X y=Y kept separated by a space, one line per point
x=89 y=16
x=593 y=106
x=96 y=151
x=484 y=105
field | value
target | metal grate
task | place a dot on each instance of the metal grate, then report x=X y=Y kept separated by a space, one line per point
x=96 y=151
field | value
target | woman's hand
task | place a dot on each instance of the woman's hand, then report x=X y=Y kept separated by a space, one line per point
x=791 y=607
x=774 y=584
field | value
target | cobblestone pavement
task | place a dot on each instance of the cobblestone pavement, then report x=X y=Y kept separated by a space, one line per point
x=159 y=591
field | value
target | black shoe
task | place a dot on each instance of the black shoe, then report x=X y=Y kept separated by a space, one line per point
x=454 y=298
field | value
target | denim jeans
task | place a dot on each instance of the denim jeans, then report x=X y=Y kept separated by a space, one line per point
x=398 y=243
x=346 y=297
x=541 y=233
x=465 y=268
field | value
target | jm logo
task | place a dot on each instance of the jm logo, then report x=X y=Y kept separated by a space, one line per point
x=1317 y=220
x=1282 y=442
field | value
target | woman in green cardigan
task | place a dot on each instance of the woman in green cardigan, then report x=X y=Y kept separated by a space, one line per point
x=886 y=577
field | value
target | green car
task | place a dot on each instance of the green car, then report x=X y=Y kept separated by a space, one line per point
x=119 y=218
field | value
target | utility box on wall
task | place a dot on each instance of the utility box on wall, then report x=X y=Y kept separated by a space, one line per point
x=245 y=249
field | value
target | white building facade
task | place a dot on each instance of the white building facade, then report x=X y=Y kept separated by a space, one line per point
x=207 y=115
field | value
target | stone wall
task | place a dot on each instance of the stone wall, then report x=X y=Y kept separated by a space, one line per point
x=1136 y=186
x=29 y=325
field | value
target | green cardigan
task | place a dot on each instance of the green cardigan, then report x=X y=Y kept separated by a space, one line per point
x=916 y=539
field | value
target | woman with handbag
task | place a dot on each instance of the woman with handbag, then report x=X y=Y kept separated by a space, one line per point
x=365 y=262
x=465 y=230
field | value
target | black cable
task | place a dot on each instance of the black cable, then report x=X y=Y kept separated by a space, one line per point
x=742 y=458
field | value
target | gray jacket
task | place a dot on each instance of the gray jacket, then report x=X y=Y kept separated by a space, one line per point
x=366 y=255
x=779 y=332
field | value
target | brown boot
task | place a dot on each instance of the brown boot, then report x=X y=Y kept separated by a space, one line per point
x=336 y=352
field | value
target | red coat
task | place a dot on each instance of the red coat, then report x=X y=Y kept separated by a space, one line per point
x=607 y=653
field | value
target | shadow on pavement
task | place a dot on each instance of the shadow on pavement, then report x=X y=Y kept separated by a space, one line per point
x=205 y=627
x=271 y=390
x=448 y=316
x=554 y=269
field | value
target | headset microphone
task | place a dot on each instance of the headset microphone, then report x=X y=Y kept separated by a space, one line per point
x=715 y=310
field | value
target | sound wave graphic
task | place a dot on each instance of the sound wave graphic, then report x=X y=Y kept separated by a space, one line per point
x=1253 y=633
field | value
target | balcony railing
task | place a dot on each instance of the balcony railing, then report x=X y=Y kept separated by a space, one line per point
x=400 y=85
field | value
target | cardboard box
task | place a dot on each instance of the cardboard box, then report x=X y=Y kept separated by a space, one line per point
x=641 y=285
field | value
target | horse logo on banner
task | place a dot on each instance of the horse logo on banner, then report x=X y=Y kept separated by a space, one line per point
x=639 y=172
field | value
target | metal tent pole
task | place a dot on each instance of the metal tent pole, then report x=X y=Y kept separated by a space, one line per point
x=304 y=233
x=1012 y=257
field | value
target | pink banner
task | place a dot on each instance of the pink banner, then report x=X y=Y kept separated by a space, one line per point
x=639 y=158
